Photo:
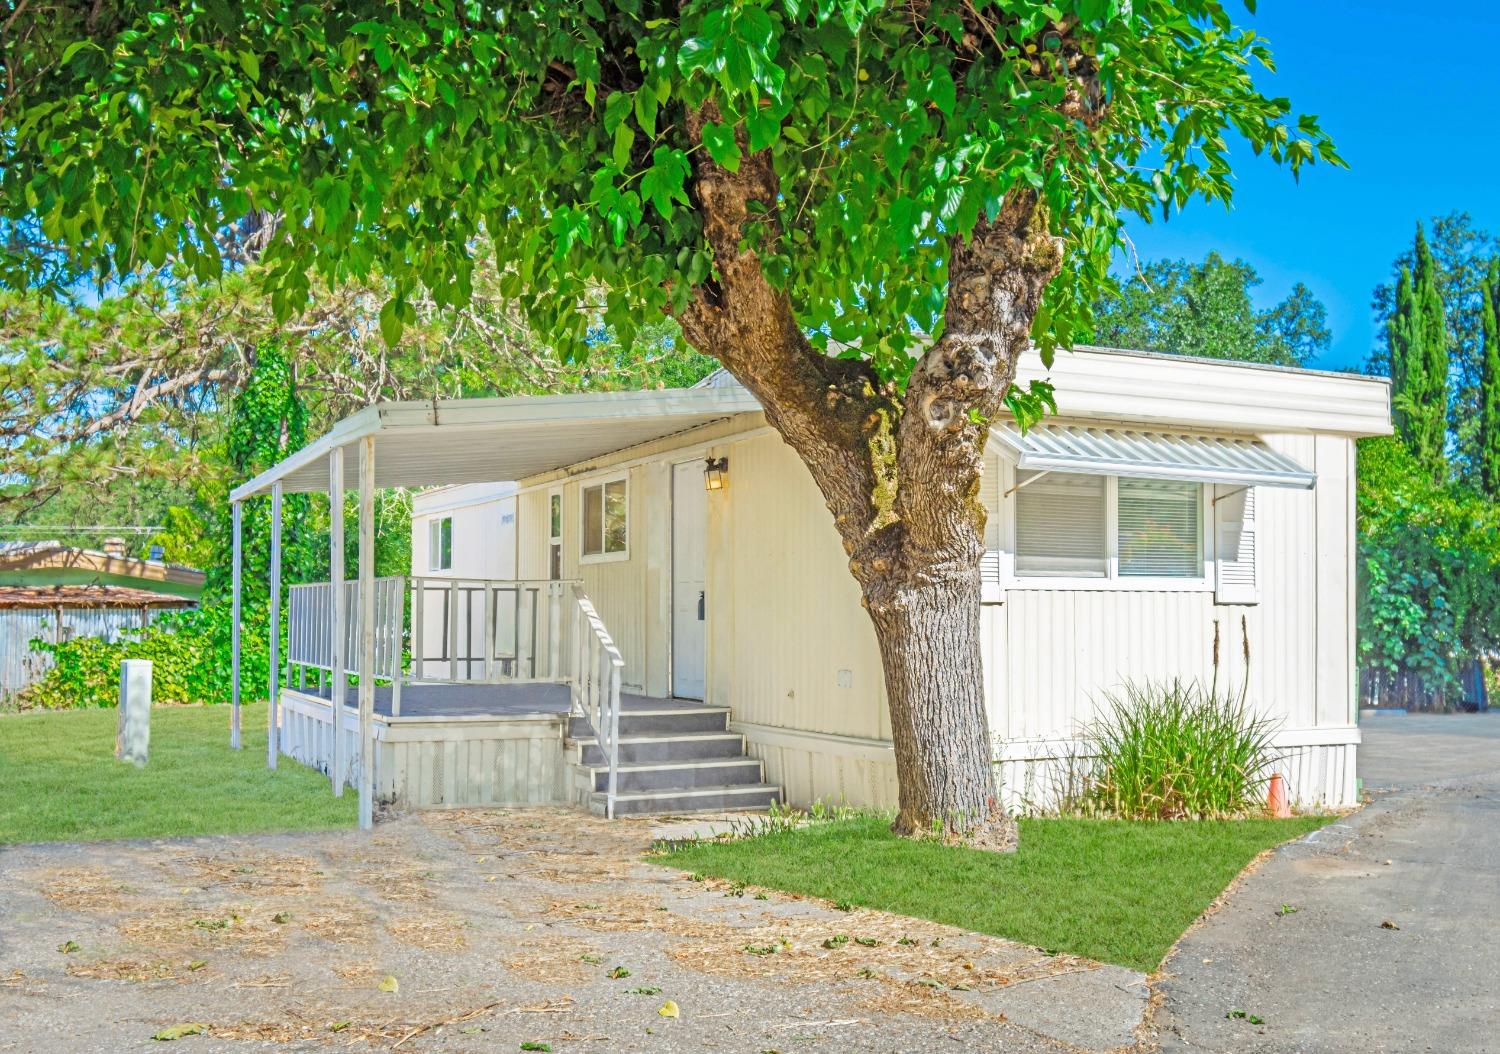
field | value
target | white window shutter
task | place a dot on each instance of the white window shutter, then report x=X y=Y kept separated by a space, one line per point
x=1235 y=536
x=991 y=590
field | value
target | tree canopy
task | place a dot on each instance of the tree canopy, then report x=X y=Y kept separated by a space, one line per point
x=130 y=394
x=1187 y=308
x=390 y=137
x=1418 y=339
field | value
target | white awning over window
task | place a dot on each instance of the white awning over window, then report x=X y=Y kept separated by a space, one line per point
x=1147 y=454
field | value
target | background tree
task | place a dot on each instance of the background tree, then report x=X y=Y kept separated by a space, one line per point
x=1417 y=336
x=116 y=411
x=1462 y=251
x=1187 y=308
x=1429 y=567
x=920 y=189
x=1487 y=452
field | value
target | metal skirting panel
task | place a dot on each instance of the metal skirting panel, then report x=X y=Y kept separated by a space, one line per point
x=1317 y=776
x=432 y=763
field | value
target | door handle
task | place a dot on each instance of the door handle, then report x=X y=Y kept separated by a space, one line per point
x=700 y=605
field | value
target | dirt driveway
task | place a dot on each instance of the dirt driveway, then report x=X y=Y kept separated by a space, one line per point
x=496 y=930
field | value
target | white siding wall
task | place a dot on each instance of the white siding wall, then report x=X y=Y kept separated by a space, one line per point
x=483 y=547
x=484 y=530
x=793 y=654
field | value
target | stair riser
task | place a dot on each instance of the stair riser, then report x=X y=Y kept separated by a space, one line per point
x=667 y=750
x=646 y=724
x=668 y=803
x=748 y=772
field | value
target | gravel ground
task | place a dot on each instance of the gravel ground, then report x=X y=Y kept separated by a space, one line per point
x=498 y=929
x=1375 y=934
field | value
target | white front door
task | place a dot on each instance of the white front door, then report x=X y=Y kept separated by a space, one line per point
x=689 y=601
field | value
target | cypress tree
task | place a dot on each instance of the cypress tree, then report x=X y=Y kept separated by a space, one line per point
x=1488 y=454
x=1418 y=338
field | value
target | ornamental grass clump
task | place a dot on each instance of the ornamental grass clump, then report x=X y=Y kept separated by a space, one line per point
x=1176 y=750
x=1169 y=750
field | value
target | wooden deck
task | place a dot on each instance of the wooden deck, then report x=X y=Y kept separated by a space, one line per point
x=494 y=701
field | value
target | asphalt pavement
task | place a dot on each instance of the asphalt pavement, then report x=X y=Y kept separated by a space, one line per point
x=1379 y=933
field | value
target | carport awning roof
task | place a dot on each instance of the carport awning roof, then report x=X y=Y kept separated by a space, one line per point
x=1242 y=461
x=422 y=444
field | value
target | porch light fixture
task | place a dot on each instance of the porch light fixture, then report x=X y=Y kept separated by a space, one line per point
x=716 y=473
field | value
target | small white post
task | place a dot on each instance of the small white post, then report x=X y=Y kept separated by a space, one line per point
x=273 y=697
x=337 y=678
x=367 y=633
x=453 y=633
x=418 y=617
x=397 y=622
x=554 y=627
x=236 y=515
x=133 y=740
x=488 y=592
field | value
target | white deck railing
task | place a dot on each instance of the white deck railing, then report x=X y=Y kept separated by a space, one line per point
x=596 y=685
x=487 y=630
x=309 y=617
x=462 y=630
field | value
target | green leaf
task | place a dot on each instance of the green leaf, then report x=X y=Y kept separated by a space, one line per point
x=390 y=331
x=175 y=1032
x=942 y=91
x=624 y=141
x=721 y=145
x=761 y=130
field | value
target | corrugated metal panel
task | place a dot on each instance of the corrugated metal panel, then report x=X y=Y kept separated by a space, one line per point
x=1153 y=455
x=20 y=665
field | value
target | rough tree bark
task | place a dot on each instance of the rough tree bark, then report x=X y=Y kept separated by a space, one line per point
x=900 y=473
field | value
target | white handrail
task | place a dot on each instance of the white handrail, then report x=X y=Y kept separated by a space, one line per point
x=596 y=686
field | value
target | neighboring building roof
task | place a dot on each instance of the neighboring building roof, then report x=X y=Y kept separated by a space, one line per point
x=87 y=597
x=50 y=564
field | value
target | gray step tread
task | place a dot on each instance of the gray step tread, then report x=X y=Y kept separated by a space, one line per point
x=659 y=737
x=688 y=763
x=745 y=789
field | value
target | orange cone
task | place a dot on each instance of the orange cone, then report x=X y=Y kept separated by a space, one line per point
x=1276 y=803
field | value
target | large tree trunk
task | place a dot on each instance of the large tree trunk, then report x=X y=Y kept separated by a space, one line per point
x=928 y=630
x=899 y=470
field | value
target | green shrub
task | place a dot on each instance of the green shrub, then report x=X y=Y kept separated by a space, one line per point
x=190 y=655
x=1173 y=750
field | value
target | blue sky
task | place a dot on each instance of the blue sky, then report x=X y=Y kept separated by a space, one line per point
x=1408 y=90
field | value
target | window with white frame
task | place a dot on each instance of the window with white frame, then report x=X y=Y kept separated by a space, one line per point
x=1062 y=526
x=1071 y=525
x=440 y=544
x=606 y=533
x=1160 y=528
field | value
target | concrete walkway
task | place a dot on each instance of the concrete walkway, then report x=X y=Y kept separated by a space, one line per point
x=1392 y=942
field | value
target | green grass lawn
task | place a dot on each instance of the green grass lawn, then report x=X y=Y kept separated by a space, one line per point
x=59 y=780
x=1113 y=890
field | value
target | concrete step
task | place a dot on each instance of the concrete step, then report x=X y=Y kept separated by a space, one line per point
x=682 y=800
x=714 y=772
x=641 y=720
x=664 y=747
